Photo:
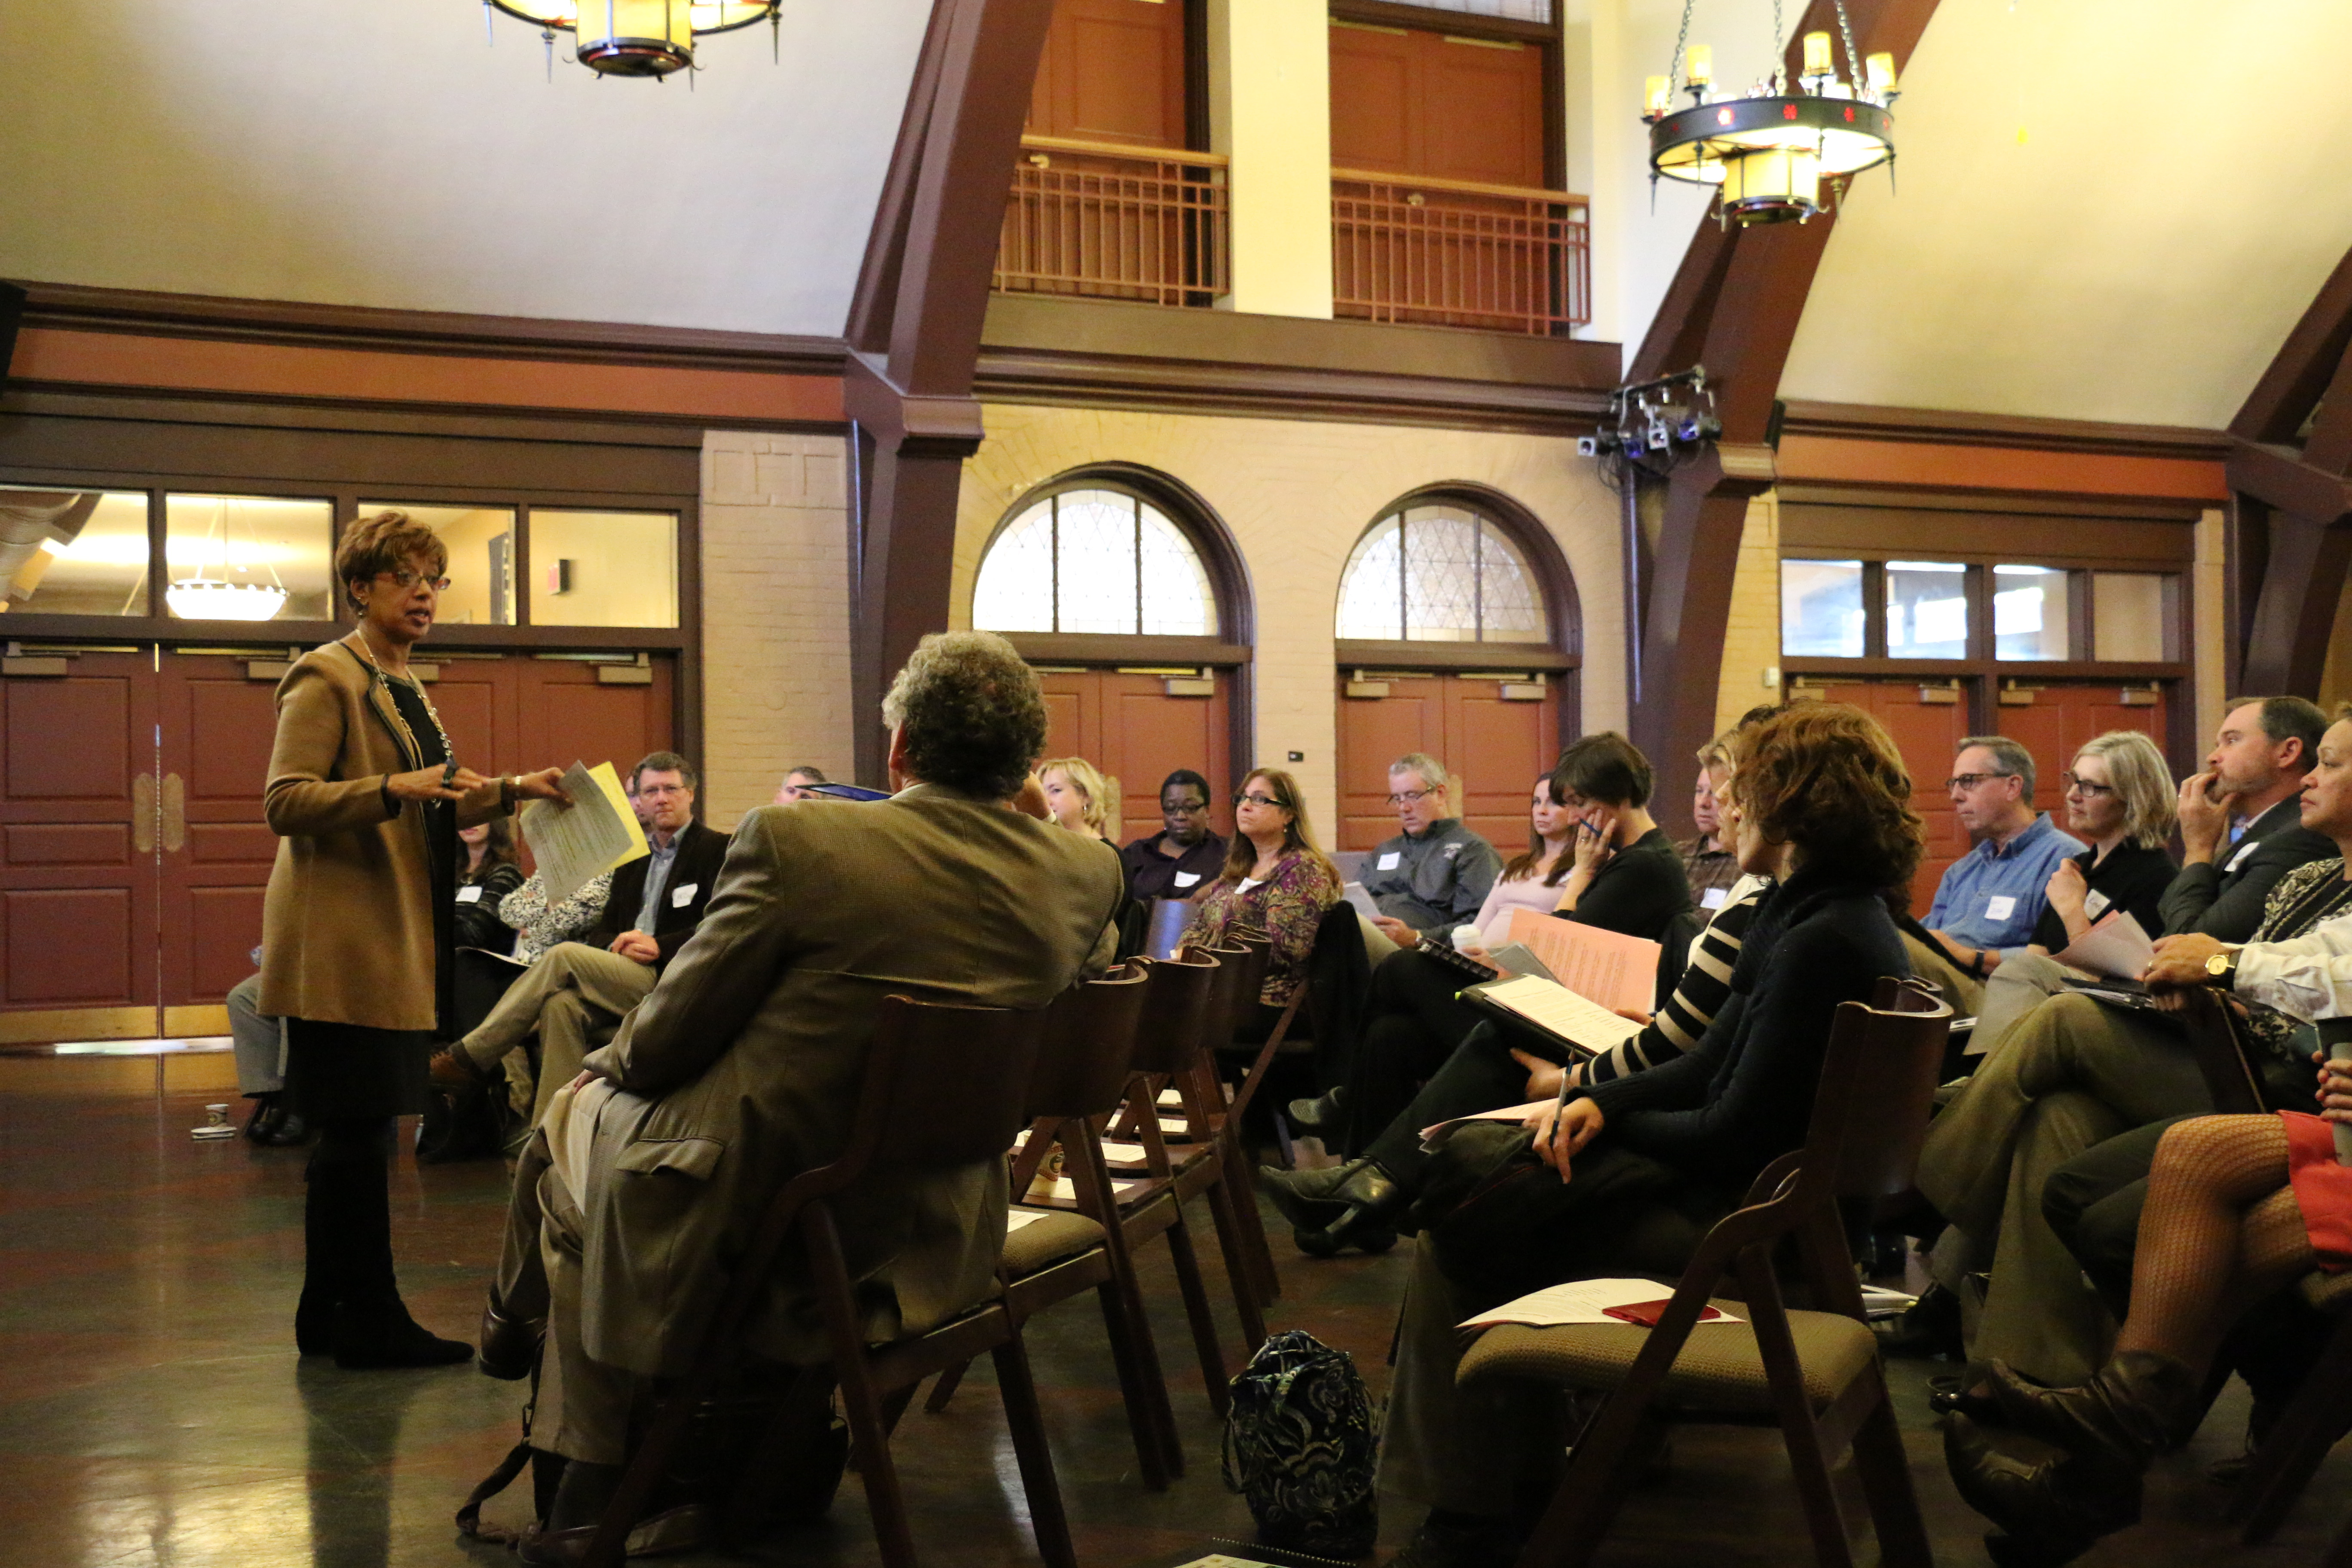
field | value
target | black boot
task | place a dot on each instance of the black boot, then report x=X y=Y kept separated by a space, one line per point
x=2051 y=1512
x=1320 y=1116
x=323 y=1264
x=2139 y=1405
x=349 y=1180
x=1346 y=1205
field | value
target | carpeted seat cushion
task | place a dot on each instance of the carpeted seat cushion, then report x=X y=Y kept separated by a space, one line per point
x=1047 y=1240
x=1719 y=1368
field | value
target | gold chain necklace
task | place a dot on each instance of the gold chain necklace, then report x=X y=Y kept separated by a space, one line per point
x=448 y=752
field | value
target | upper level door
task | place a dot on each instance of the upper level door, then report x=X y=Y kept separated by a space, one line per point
x=1113 y=71
x=1496 y=737
x=1406 y=102
x=78 y=819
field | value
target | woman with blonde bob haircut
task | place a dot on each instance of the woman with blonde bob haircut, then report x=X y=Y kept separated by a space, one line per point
x=1079 y=797
x=1823 y=806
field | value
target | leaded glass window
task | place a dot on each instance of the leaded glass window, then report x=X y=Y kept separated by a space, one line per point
x=1439 y=572
x=1094 y=559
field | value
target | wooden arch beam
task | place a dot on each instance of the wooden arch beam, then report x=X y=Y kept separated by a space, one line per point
x=914 y=331
x=2291 y=539
x=1734 y=306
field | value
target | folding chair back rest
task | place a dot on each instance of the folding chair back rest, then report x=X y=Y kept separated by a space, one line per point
x=1218 y=1013
x=950 y=1083
x=1168 y=1037
x=2214 y=1041
x=1087 y=1044
x=1249 y=966
x=1870 y=1114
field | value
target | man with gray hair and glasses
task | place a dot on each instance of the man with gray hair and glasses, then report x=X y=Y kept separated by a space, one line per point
x=1436 y=873
x=1992 y=898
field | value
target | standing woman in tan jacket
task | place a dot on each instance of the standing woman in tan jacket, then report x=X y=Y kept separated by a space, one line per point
x=366 y=798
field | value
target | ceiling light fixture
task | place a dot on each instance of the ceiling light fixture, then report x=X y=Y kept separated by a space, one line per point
x=637 y=37
x=202 y=598
x=1768 y=150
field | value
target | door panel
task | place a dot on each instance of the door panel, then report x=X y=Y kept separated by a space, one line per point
x=566 y=714
x=1129 y=727
x=1112 y=70
x=217 y=727
x=1495 y=749
x=78 y=820
x=469 y=695
x=1398 y=96
x=1928 y=735
x=2061 y=717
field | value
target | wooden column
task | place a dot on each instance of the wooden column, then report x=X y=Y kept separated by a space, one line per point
x=915 y=325
x=1733 y=307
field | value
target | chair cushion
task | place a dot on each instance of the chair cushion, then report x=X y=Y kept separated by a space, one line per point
x=2330 y=1293
x=1719 y=1368
x=1047 y=1240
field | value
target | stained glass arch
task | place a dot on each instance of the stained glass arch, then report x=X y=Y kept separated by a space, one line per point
x=1098 y=557
x=1440 y=569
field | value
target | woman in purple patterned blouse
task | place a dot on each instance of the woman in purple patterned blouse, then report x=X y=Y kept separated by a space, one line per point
x=1275 y=880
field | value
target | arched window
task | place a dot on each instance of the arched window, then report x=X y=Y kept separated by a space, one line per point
x=1094 y=559
x=1438 y=571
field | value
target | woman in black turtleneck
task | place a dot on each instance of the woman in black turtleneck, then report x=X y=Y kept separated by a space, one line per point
x=1820 y=799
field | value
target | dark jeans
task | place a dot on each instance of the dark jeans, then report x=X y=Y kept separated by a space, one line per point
x=1480 y=1074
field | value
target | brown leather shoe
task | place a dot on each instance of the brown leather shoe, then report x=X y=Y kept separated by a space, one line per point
x=508 y=1347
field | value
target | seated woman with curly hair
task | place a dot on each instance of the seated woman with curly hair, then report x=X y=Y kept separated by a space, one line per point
x=1656 y=1157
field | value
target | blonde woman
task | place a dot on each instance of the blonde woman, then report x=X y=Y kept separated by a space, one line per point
x=1080 y=797
x=1275 y=880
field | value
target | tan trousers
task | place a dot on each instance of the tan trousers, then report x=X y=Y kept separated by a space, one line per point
x=572 y=999
x=1928 y=962
x=2071 y=1073
x=583 y=1410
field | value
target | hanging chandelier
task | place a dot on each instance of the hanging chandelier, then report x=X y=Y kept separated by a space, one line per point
x=1768 y=150
x=635 y=38
x=203 y=598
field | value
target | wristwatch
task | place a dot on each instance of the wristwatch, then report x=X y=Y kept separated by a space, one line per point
x=2222 y=968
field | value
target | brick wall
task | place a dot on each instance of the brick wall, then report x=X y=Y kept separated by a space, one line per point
x=1296 y=496
x=775 y=615
x=1751 y=640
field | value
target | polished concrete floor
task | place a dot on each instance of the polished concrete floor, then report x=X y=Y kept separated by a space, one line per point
x=152 y=1409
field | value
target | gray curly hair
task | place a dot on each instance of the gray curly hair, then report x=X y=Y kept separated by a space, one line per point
x=971 y=713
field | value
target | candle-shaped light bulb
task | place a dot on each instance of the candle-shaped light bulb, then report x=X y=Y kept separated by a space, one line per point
x=1817 y=55
x=1658 y=94
x=1878 y=74
x=1700 y=66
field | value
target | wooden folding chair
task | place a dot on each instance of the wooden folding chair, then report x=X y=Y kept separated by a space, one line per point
x=1815 y=1373
x=2221 y=1055
x=1049 y=1255
x=1212 y=1118
x=944 y=1087
x=2314 y=1421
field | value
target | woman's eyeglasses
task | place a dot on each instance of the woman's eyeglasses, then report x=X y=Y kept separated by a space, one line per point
x=1253 y=798
x=2086 y=789
x=407 y=580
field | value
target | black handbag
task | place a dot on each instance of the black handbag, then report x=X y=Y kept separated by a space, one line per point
x=1301 y=1446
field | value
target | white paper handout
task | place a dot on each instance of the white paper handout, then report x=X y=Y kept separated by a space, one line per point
x=1579 y=1301
x=577 y=842
x=1613 y=970
x=1365 y=904
x=2116 y=947
x=1555 y=1007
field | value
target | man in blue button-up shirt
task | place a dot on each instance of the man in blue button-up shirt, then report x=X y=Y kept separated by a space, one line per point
x=1990 y=899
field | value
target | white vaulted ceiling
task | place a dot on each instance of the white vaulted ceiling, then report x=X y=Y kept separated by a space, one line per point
x=390 y=155
x=2107 y=209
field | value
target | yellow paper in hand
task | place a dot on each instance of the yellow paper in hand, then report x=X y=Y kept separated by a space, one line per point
x=610 y=782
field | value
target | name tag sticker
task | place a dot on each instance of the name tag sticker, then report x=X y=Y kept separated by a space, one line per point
x=1452 y=851
x=1999 y=907
x=1186 y=879
x=1714 y=897
x=2095 y=904
x=1388 y=862
x=2244 y=850
x=681 y=897
x=470 y=895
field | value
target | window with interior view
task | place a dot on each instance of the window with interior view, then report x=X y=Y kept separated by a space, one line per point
x=73 y=553
x=248 y=558
x=1440 y=571
x=1094 y=558
x=1931 y=610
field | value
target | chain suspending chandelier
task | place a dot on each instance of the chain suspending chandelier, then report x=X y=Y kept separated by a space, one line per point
x=637 y=37
x=1768 y=150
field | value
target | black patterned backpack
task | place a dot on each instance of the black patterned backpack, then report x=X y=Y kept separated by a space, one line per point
x=1300 y=1448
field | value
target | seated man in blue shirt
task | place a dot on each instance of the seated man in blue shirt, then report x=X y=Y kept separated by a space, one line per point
x=1990 y=898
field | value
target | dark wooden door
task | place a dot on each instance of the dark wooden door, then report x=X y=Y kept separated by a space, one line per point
x=1113 y=71
x=78 y=819
x=215 y=723
x=1927 y=722
x=1408 y=102
x=1135 y=729
x=567 y=710
x=1492 y=738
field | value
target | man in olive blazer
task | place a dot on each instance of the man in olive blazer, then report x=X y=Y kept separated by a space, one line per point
x=741 y=1068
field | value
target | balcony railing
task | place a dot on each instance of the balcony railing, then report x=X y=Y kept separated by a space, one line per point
x=1456 y=253
x=1113 y=222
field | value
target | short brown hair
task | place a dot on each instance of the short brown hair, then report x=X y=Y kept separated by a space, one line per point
x=664 y=762
x=1827 y=778
x=1606 y=767
x=384 y=542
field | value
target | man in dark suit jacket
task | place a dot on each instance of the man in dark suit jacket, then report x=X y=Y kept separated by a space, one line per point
x=578 y=992
x=2254 y=774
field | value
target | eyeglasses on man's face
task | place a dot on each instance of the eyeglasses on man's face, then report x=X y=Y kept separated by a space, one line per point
x=1970 y=781
x=1252 y=797
x=406 y=580
x=2086 y=789
x=1410 y=796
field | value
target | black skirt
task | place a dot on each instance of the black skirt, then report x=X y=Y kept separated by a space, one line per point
x=349 y=1072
